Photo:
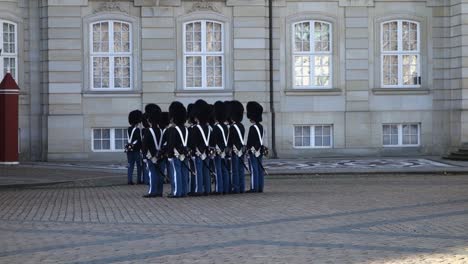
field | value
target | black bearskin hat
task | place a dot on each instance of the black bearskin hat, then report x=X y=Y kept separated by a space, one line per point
x=228 y=105
x=177 y=113
x=254 y=111
x=202 y=111
x=154 y=116
x=134 y=117
x=237 y=111
x=152 y=107
x=164 y=121
x=211 y=119
x=191 y=113
x=144 y=120
x=219 y=110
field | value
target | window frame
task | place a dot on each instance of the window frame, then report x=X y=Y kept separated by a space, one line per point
x=312 y=136
x=9 y=55
x=400 y=135
x=203 y=54
x=312 y=54
x=400 y=53
x=111 y=55
x=111 y=138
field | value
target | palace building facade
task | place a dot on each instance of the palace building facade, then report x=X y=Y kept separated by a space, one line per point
x=349 y=77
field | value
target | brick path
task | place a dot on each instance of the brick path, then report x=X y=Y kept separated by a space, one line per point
x=391 y=219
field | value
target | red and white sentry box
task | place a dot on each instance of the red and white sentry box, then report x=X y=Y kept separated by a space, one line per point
x=9 y=92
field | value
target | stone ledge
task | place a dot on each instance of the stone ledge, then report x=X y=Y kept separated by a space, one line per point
x=314 y=92
x=400 y=91
x=201 y=93
x=362 y=3
x=90 y=94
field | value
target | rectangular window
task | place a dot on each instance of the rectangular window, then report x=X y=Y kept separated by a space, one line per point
x=313 y=136
x=400 y=135
x=400 y=54
x=312 y=54
x=203 y=55
x=109 y=139
x=8 y=49
x=111 y=55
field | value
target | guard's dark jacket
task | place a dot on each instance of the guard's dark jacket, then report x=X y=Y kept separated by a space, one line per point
x=136 y=137
x=234 y=139
x=148 y=141
x=217 y=136
x=164 y=138
x=174 y=140
x=196 y=139
x=253 y=138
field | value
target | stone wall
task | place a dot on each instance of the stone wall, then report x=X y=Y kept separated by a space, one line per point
x=58 y=109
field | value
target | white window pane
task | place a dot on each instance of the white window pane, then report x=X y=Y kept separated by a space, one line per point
x=193 y=71
x=122 y=72
x=306 y=141
x=390 y=36
x=406 y=129
x=101 y=72
x=97 y=134
x=414 y=140
x=394 y=139
x=318 y=130
x=306 y=131
x=409 y=35
x=106 y=133
x=298 y=141
x=318 y=141
x=106 y=144
x=327 y=141
x=386 y=140
x=302 y=70
x=386 y=130
x=410 y=70
x=193 y=37
x=390 y=70
x=327 y=130
x=101 y=37
x=298 y=131
x=213 y=37
x=322 y=36
x=97 y=144
x=302 y=36
x=414 y=129
x=406 y=140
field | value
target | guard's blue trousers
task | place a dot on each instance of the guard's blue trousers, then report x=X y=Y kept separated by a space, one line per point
x=179 y=177
x=222 y=176
x=133 y=158
x=145 y=170
x=256 y=173
x=156 y=181
x=193 y=177
x=202 y=179
x=238 y=174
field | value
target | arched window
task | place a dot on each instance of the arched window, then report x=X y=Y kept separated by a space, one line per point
x=400 y=51
x=203 y=55
x=312 y=54
x=111 y=55
x=8 y=48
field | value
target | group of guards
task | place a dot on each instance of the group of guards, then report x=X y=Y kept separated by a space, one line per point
x=200 y=149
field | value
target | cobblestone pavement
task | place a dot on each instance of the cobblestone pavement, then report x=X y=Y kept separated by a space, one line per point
x=371 y=219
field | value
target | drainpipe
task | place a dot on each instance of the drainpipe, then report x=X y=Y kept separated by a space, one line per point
x=272 y=104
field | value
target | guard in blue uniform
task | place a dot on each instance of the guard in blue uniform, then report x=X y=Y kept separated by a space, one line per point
x=236 y=143
x=151 y=149
x=228 y=149
x=133 y=146
x=164 y=125
x=191 y=123
x=220 y=141
x=200 y=145
x=178 y=152
x=255 y=146
x=144 y=164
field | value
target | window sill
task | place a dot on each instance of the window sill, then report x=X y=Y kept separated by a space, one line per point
x=400 y=91
x=314 y=92
x=201 y=93
x=112 y=93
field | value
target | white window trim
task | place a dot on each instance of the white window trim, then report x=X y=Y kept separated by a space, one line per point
x=203 y=54
x=400 y=135
x=111 y=55
x=13 y=55
x=311 y=55
x=111 y=138
x=400 y=52
x=312 y=137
